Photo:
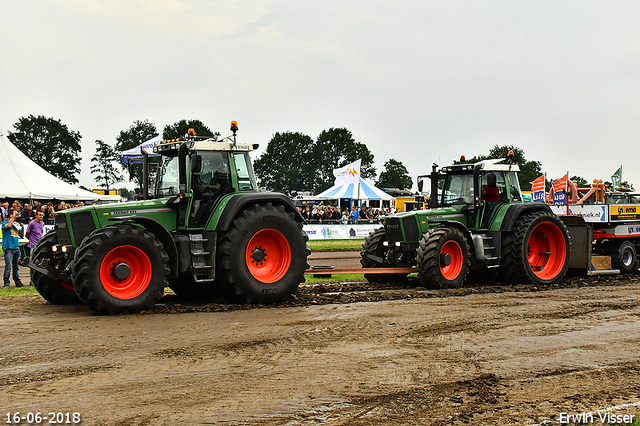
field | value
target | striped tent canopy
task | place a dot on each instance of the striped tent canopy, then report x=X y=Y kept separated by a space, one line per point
x=368 y=191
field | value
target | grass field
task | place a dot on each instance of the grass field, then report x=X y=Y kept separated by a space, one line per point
x=326 y=245
x=22 y=291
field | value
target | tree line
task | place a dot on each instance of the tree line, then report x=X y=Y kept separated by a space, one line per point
x=292 y=161
x=54 y=147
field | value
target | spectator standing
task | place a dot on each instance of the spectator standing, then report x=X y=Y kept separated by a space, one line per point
x=27 y=214
x=345 y=217
x=363 y=212
x=354 y=215
x=11 y=230
x=35 y=231
x=4 y=210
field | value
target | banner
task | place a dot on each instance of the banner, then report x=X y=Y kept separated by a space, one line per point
x=616 y=178
x=537 y=190
x=348 y=174
x=340 y=232
x=559 y=186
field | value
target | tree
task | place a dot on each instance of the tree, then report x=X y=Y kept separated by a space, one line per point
x=285 y=166
x=104 y=165
x=50 y=144
x=529 y=170
x=394 y=175
x=335 y=148
x=580 y=182
x=137 y=133
x=125 y=193
x=180 y=128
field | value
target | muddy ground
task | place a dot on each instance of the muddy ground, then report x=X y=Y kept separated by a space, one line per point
x=337 y=354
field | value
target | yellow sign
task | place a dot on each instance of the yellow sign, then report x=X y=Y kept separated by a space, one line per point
x=624 y=212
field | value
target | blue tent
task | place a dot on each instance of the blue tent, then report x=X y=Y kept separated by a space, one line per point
x=368 y=191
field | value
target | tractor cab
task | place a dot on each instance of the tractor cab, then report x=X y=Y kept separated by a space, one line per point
x=198 y=172
x=476 y=191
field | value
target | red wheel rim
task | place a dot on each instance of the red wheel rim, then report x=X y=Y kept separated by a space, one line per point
x=547 y=251
x=139 y=272
x=451 y=250
x=268 y=255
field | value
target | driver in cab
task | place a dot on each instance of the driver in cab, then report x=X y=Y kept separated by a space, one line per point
x=490 y=191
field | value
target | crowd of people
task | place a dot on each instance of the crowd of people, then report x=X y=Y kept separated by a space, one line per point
x=27 y=212
x=24 y=220
x=332 y=215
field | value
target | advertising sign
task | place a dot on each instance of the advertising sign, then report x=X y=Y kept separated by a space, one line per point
x=340 y=232
x=624 y=212
x=589 y=212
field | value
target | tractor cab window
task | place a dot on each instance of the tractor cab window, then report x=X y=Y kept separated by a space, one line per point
x=246 y=179
x=457 y=189
x=514 y=186
x=493 y=186
x=167 y=184
x=214 y=173
x=209 y=182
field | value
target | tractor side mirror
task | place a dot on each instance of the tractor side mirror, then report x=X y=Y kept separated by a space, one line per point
x=420 y=185
x=196 y=163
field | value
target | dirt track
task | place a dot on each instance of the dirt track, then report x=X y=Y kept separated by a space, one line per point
x=337 y=354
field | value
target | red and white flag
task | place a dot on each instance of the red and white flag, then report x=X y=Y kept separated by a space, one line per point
x=560 y=184
x=537 y=189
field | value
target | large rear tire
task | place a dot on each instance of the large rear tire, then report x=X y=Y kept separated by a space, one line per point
x=625 y=257
x=263 y=256
x=52 y=290
x=537 y=250
x=373 y=245
x=442 y=260
x=120 y=269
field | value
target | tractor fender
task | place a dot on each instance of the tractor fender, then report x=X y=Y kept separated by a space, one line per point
x=161 y=233
x=239 y=201
x=517 y=210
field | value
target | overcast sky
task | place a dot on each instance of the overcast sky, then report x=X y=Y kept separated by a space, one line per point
x=418 y=81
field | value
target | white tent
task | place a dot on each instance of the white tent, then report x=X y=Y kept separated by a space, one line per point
x=22 y=178
x=134 y=155
x=367 y=191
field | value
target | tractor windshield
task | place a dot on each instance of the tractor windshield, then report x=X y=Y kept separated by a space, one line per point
x=457 y=189
x=168 y=178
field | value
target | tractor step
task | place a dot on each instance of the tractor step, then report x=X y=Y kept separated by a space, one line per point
x=203 y=256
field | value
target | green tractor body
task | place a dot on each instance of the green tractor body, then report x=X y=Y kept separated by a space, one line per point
x=207 y=231
x=477 y=220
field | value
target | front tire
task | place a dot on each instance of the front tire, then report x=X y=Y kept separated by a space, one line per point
x=537 y=250
x=53 y=291
x=373 y=245
x=263 y=256
x=442 y=260
x=120 y=269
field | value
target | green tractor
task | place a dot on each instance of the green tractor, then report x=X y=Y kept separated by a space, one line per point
x=206 y=230
x=477 y=220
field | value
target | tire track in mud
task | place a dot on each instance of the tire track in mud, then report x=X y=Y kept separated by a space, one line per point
x=51 y=374
x=483 y=400
x=355 y=292
x=317 y=334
